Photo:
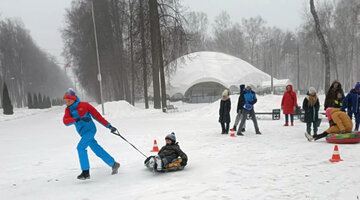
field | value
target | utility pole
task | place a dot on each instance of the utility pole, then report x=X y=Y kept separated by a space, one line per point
x=97 y=57
x=298 y=65
x=271 y=69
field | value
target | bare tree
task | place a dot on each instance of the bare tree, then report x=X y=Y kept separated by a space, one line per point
x=324 y=46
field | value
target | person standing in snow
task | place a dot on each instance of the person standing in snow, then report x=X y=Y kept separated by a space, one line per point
x=288 y=105
x=311 y=106
x=352 y=104
x=224 y=112
x=240 y=108
x=80 y=114
x=250 y=99
x=331 y=95
x=339 y=121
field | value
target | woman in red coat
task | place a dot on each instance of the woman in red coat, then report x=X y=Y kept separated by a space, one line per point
x=288 y=104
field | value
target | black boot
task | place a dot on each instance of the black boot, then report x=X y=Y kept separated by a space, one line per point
x=84 y=175
x=115 y=168
x=234 y=128
x=243 y=130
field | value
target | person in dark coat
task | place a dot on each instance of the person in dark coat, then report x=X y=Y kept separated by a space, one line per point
x=331 y=95
x=168 y=154
x=240 y=108
x=339 y=99
x=250 y=99
x=224 y=112
x=288 y=105
x=352 y=104
x=311 y=106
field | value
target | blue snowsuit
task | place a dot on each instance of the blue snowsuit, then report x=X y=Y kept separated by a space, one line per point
x=352 y=104
x=80 y=114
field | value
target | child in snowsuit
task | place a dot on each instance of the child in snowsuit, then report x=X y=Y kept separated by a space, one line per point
x=80 y=114
x=352 y=104
x=288 y=105
x=339 y=99
x=340 y=123
x=224 y=112
x=311 y=106
x=167 y=155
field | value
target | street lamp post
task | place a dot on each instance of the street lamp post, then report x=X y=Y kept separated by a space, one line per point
x=271 y=69
x=97 y=57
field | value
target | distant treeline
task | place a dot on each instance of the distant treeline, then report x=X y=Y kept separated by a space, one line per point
x=42 y=101
x=295 y=55
x=25 y=68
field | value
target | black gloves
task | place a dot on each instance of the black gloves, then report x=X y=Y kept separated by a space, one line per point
x=183 y=163
x=112 y=129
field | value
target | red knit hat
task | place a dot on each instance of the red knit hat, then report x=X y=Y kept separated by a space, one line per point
x=70 y=94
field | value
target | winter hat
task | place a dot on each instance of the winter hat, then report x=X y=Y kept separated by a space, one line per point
x=312 y=90
x=242 y=87
x=70 y=94
x=171 y=137
x=225 y=93
x=357 y=86
x=328 y=113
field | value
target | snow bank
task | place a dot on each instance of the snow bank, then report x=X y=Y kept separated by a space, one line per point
x=25 y=112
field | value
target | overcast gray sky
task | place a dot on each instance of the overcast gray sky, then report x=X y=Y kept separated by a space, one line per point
x=45 y=18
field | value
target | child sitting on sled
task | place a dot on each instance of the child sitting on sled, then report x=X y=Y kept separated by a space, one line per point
x=170 y=156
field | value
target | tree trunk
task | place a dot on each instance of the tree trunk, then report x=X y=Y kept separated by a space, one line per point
x=132 y=54
x=324 y=46
x=155 y=50
x=143 y=52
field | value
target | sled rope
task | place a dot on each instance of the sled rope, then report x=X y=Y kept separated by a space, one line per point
x=118 y=134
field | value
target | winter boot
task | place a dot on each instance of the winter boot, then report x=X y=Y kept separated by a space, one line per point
x=292 y=123
x=234 y=128
x=240 y=134
x=84 y=175
x=286 y=124
x=309 y=137
x=243 y=130
x=115 y=168
x=258 y=133
x=158 y=161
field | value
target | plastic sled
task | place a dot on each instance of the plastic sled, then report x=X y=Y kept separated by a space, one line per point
x=347 y=138
x=173 y=166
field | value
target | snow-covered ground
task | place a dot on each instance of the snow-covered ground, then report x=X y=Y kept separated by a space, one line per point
x=39 y=159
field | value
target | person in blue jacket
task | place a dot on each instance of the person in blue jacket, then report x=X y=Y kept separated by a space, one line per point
x=249 y=97
x=352 y=104
x=80 y=114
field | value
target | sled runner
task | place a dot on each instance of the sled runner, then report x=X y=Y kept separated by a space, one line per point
x=347 y=138
x=152 y=164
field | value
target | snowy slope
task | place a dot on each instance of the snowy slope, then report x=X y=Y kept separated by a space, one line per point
x=39 y=159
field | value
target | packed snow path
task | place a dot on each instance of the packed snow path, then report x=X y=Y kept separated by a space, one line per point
x=39 y=158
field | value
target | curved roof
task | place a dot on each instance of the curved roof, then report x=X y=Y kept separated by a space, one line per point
x=213 y=67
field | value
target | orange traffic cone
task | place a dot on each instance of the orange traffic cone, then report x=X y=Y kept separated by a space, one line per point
x=232 y=133
x=155 y=147
x=336 y=155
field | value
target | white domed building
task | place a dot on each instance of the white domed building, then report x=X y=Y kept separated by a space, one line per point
x=201 y=77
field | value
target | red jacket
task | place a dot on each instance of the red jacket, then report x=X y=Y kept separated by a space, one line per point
x=289 y=101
